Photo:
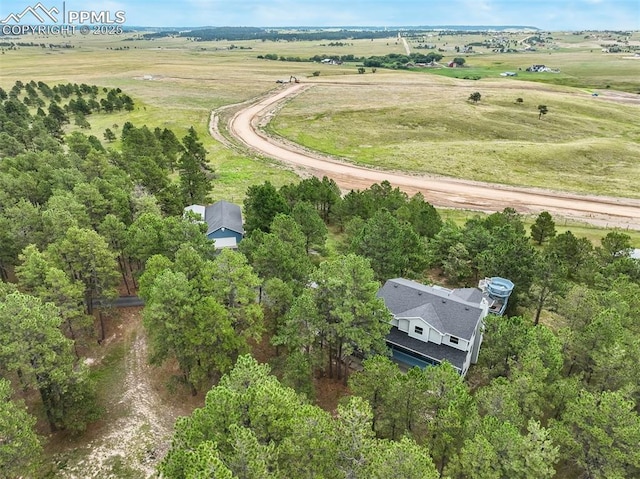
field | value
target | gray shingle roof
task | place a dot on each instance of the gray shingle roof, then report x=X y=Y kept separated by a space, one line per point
x=223 y=214
x=473 y=295
x=426 y=312
x=443 y=310
x=439 y=352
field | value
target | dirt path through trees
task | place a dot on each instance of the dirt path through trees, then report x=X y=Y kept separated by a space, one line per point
x=140 y=425
x=246 y=126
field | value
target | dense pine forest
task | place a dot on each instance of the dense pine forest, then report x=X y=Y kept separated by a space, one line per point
x=84 y=220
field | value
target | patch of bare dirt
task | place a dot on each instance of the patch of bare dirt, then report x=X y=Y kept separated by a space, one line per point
x=329 y=392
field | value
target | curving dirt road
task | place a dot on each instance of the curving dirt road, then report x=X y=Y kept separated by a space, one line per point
x=246 y=125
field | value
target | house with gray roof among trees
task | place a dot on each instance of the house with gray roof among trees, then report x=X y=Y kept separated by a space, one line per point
x=224 y=222
x=432 y=324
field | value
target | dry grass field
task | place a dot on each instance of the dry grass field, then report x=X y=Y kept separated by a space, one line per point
x=427 y=124
x=411 y=120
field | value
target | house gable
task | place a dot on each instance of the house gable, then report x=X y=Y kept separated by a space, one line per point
x=446 y=312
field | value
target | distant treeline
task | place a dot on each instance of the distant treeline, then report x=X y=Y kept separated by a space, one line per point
x=14 y=45
x=306 y=34
x=253 y=33
x=392 y=60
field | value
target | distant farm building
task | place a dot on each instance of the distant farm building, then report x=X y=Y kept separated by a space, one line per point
x=331 y=61
x=542 y=69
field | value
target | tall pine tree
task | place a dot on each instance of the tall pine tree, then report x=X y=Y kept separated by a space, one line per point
x=195 y=172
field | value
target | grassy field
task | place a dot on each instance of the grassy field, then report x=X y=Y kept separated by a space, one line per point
x=426 y=124
x=187 y=83
x=409 y=120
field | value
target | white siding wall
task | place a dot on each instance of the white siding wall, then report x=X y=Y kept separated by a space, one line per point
x=477 y=341
x=463 y=344
x=403 y=325
x=484 y=305
x=435 y=336
x=467 y=362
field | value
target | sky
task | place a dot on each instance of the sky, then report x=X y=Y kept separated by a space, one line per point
x=544 y=14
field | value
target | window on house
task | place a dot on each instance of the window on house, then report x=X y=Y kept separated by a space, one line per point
x=418 y=330
x=453 y=339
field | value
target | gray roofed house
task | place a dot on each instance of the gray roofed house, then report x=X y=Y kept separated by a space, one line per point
x=224 y=222
x=432 y=324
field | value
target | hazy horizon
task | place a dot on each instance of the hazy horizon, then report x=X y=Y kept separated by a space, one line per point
x=543 y=14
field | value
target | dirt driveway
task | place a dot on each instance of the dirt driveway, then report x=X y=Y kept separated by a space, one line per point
x=246 y=126
x=138 y=422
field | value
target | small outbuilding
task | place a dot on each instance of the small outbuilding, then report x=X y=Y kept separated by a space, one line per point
x=224 y=222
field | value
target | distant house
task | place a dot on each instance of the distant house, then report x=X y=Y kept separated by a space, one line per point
x=432 y=324
x=542 y=69
x=224 y=222
x=331 y=61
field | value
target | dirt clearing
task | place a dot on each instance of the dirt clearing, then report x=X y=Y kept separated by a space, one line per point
x=136 y=428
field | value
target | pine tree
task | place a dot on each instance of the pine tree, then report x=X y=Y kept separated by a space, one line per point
x=544 y=228
x=195 y=172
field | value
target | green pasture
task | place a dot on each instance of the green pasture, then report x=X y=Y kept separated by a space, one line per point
x=584 y=144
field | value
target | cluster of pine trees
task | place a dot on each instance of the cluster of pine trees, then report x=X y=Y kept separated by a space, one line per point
x=546 y=397
x=554 y=393
x=62 y=102
x=76 y=222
